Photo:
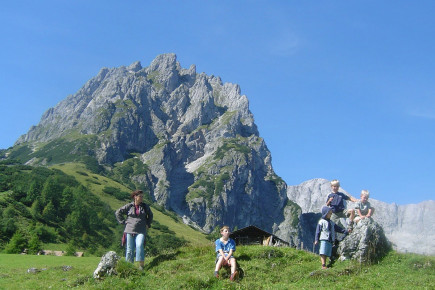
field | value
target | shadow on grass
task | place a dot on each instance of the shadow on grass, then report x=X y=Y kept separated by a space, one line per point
x=162 y=258
x=244 y=257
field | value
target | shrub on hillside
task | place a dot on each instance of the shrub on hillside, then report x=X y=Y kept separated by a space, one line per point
x=17 y=244
x=70 y=249
x=118 y=194
x=34 y=245
x=45 y=233
x=92 y=165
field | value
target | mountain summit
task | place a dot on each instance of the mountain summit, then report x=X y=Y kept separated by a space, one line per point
x=191 y=137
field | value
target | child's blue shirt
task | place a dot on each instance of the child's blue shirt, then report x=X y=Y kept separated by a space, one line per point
x=337 y=203
x=230 y=245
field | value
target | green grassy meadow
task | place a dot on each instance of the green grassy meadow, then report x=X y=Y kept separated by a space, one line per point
x=192 y=267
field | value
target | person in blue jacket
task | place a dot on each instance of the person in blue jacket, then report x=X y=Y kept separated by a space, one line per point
x=325 y=234
x=225 y=247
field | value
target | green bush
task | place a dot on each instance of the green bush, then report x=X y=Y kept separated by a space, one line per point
x=34 y=245
x=8 y=227
x=232 y=144
x=17 y=244
x=118 y=194
x=82 y=173
x=126 y=269
x=92 y=164
x=46 y=234
x=70 y=249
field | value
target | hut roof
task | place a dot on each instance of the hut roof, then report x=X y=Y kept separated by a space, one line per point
x=254 y=235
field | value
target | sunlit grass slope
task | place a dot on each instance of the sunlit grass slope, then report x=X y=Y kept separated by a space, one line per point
x=192 y=268
x=97 y=182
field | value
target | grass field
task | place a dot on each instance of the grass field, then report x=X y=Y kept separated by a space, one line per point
x=192 y=268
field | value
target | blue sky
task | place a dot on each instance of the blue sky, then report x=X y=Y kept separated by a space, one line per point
x=338 y=89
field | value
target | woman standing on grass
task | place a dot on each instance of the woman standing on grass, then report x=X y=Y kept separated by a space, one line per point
x=137 y=217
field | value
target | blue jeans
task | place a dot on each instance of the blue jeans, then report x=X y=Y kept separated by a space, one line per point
x=135 y=242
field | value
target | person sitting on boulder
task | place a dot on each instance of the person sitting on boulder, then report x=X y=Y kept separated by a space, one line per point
x=325 y=233
x=225 y=247
x=335 y=200
x=363 y=209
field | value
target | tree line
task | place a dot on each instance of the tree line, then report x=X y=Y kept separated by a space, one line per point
x=40 y=205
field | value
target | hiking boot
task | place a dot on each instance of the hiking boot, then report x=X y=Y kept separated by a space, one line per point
x=216 y=274
x=234 y=275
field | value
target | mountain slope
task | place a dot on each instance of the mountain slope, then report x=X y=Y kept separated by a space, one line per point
x=68 y=204
x=191 y=136
x=96 y=183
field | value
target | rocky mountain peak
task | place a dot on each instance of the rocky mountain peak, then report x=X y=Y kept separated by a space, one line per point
x=135 y=66
x=194 y=135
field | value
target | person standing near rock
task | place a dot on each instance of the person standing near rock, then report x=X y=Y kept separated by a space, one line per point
x=335 y=200
x=137 y=217
x=325 y=234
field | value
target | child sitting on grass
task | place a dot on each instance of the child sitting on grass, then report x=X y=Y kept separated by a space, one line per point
x=225 y=247
x=325 y=233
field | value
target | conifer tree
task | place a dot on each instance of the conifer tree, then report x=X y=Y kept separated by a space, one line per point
x=35 y=244
x=49 y=213
x=17 y=244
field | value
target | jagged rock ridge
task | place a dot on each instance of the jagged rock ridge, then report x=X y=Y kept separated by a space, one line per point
x=195 y=134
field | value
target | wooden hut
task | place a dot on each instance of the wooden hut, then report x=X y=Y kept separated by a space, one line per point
x=252 y=235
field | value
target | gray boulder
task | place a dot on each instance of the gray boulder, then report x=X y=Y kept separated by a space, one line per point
x=107 y=265
x=366 y=243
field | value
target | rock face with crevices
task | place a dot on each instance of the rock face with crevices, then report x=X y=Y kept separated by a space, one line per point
x=367 y=243
x=191 y=139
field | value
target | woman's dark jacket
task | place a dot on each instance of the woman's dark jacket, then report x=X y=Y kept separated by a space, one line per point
x=135 y=224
